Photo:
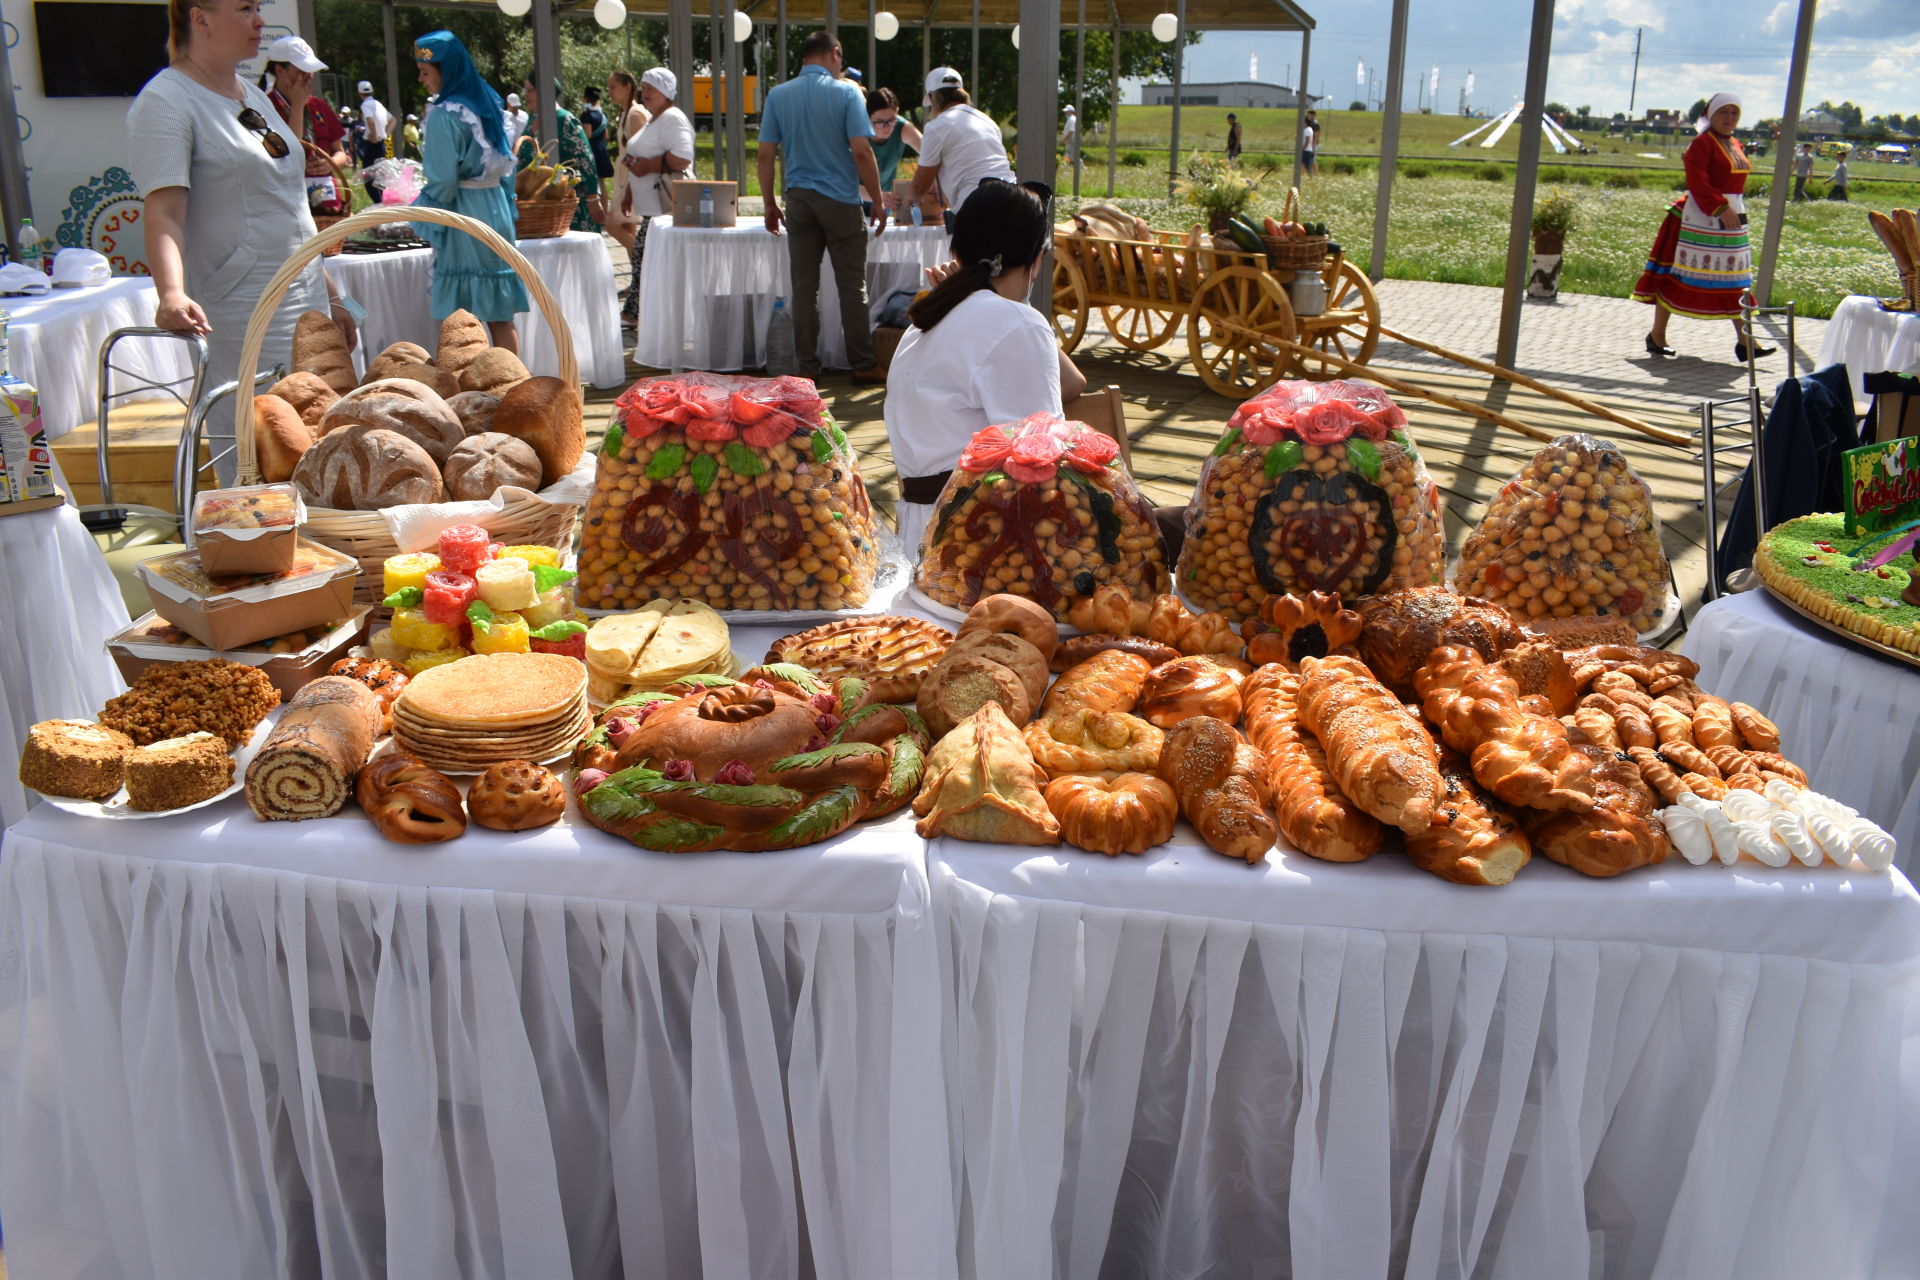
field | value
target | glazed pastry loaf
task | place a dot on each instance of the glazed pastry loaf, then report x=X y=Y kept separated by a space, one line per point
x=1382 y=756
x=1315 y=817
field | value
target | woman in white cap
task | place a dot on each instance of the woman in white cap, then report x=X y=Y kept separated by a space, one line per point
x=224 y=180
x=1701 y=264
x=649 y=163
x=960 y=145
x=629 y=118
x=288 y=81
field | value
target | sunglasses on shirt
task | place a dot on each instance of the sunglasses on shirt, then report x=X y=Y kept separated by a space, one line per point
x=252 y=122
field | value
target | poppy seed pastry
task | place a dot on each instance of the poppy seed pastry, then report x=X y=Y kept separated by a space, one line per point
x=74 y=758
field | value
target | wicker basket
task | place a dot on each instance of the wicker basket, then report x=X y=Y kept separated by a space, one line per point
x=544 y=219
x=1296 y=253
x=364 y=535
x=326 y=222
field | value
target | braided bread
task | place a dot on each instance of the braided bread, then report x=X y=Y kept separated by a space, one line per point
x=1474 y=838
x=1522 y=757
x=1315 y=817
x=1221 y=784
x=1382 y=756
x=1108 y=681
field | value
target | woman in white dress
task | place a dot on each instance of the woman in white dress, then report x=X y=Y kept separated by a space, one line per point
x=649 y=162
x=629 y=118
x=977 y=354
x=199 y=126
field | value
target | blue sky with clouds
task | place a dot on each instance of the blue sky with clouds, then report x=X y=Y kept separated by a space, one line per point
x=1866 y=50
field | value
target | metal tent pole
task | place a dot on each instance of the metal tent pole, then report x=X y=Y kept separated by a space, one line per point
x=1079 y=98
x=546 y=64
x=1300 y=102
x=872 y=71
x=395 y=110
x=832 y=22
x=974 y=73
x=1389 y=136
x=1783 y=163
x=309 y=25
x=680 y=48
x=736 y=109
x=1179 y=67
x=1520 y=229
x=1039 y=102
x=716 y=71
x=15 y=199
x=780 y=40
x=1113 y=104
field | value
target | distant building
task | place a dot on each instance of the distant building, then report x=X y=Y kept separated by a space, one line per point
x=1821 y=123
x=1232 y=93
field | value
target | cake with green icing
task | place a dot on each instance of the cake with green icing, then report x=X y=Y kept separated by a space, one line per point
x=1809 y=561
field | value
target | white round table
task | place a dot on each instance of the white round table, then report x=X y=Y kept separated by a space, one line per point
x=1867 y=338
x=53 y=661
x=706 y=293
x=396 y=290
x=54 y=343
x=1847 y=715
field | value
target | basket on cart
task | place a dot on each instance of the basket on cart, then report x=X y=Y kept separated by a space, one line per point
x=325 y=222
x=544 y=219
x=366 y=535
x=1295 y=253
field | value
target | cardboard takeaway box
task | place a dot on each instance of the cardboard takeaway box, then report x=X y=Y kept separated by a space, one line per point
x=686 y=202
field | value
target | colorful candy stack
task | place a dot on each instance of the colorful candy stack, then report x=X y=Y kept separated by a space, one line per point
x=476 y=596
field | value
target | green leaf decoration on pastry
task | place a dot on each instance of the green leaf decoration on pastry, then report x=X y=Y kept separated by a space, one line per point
x=641 y=699
x=814 y=759
x=1363 y=457
x=674 y=835
x=704 y=681
x=616 y=436
x=860 y=714
x=743 y=461
x=405 y=598
x=614 y=801
x=706 y=469
x=666 y=461
x=758 y=795
x=847 y=693
x=795 y=674
x=908 y=764
x=1227 y=443
x=831 y=811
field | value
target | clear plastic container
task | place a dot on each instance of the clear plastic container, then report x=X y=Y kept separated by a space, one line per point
x=230 y=612
x=250 y=530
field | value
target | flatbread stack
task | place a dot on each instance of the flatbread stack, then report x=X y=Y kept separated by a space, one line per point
x=463 y=716
x=663 y=642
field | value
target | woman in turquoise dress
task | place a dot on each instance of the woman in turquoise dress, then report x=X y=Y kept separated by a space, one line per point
x=469 y=169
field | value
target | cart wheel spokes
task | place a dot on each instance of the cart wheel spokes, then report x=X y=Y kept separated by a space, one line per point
x=1349 y=328
x=1140 y=328
x=1069 y=303
x=1237 y=329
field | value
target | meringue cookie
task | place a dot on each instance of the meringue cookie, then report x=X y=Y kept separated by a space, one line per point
x=1831 y=837
x=1747 y=806
x=1812 y=802
x=1726 y=840
x=1783 y=793
x=1871 y=844
x=1790 y=830
x=1687 y=828
x=1757 y=842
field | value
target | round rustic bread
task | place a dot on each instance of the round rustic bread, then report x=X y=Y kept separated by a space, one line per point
x=308 y=393
x=444 y=384
x=475 y=410
x=387 y=362
x=362 y=468
x=481 y=464
x=495 y=370
x=413 y=409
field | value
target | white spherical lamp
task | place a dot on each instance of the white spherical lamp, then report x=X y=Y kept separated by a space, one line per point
x=1016 y=36
x=516 y=8
x=1166 y=28
x=885 y=26
x=609 y=13
x=742 y=26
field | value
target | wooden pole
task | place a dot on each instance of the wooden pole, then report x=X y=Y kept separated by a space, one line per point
x=1179 y=70
x=1579 y=402
x=1113 y=106
x=1520 y=225
x=1783 y=160
x=1389 y=137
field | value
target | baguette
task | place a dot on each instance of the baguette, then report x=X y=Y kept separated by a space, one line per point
x=1908 y=229
x=1891 y=236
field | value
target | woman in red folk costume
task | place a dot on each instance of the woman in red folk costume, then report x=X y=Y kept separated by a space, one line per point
x=1701 y=264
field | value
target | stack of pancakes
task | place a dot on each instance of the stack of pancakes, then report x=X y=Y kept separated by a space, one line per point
x=656 y=646
x=463 y=716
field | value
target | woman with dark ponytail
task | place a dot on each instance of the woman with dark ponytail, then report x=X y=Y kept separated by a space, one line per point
x=977 y=355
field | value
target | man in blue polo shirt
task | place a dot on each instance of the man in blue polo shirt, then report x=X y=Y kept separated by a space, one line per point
x=818 y=122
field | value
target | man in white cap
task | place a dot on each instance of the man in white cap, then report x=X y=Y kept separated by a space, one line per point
x=960 y=145
x=516 y=118
x=379 y=123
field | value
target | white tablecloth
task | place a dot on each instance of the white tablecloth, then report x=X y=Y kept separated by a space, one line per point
x=1848 y=716
x=1869 y=339
x=706 y=294
x=1179 y=1065
x=55 y=338
x=532 y=1054
x=62 y=607
x=395 y=288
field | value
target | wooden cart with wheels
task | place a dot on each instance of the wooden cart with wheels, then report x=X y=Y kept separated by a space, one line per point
x=1242 y=331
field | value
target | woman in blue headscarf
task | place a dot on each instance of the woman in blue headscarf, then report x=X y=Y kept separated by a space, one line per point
x=468 y=168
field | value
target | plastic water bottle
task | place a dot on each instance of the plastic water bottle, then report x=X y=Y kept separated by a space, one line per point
x=916 y=213
x=781 y=359
x=32 y=245
x=706 y=206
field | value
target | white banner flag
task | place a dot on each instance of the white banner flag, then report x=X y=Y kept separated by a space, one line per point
x=1360 y=72
x=1469 y=82
x=1433 y=81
